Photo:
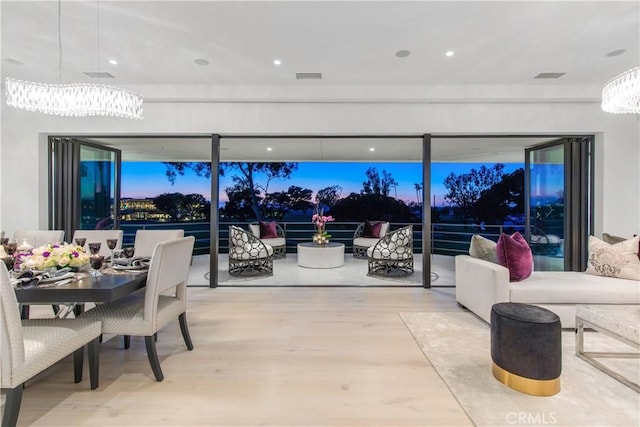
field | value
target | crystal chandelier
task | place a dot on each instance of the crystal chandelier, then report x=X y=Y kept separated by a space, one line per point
x=621 y=94
x=77 y=100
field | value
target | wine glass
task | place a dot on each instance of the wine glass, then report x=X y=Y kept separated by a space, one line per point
x=81 y=241
x=112 y=243
x=96 y=264
x=128 y=251
x=94 y=248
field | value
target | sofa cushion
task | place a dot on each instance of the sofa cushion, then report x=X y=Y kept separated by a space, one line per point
x=483 y=248
x=364 y=242
x=277 y=242
x=619 y=260
x=268 y=230
x=573 y=287
x=611 y=239
x=514 y=253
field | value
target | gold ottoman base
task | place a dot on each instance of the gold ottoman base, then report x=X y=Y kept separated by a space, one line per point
x=526 y=385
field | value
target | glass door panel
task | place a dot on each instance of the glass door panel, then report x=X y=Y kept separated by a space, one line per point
x=98 y=194
x=546 y=230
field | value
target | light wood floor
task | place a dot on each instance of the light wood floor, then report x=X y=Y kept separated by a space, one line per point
x=265 y=356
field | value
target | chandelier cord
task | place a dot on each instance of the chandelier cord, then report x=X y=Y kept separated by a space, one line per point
x=59 y=41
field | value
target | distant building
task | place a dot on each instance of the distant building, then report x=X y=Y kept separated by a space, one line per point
x=141 y=210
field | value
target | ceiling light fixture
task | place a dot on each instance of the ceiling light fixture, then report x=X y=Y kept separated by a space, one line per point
x=113 y=62
x=269 y=149
x=403 y=53
x=372 y=149
x=621 y=94
x=77 y=99
x=277 y=62
x=449 y=53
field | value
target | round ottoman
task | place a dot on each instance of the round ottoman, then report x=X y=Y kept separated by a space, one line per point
x=526 y=348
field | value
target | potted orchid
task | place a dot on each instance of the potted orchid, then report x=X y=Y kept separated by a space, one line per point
x=321 y=237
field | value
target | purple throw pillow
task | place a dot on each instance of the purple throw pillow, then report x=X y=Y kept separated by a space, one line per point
x=371 y=229
x=514 y=253
x=268 y=230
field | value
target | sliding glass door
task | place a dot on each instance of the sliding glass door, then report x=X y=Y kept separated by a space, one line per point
x=558 y=202
x=84 y=186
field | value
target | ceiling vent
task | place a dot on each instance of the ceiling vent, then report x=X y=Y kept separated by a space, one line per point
x=549 y=75
x=99 y=74
x=309 y=76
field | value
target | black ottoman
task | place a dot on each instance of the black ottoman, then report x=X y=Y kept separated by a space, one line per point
x=526 y=348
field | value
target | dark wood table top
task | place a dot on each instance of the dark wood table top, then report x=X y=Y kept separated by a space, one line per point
x=106 y=288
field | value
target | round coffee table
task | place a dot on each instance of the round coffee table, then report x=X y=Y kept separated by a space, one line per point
x=311 y=255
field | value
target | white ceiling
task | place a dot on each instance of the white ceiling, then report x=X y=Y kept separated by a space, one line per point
x=350 y=43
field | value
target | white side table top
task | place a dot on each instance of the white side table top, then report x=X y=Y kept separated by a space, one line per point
x=621 y=320
x=311 y=255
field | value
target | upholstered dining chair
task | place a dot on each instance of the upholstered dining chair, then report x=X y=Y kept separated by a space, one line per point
x=248 y=255
x=100 y=236
x=31 y=346
x=146 y=312
x=39 y=237
x=393 y=254
x=146 y=240
x=366 y=235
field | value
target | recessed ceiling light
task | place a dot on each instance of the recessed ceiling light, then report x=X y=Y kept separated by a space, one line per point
x=372 y=149
x=403 y=53
x=269 y=149
x=201 y=61
x=113 y=62
x=450 y=53
x=616 y=52
x=277 y=62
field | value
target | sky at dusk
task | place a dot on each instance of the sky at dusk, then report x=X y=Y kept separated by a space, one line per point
x=148 y=179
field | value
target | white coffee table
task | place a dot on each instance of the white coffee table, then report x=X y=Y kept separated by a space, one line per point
x=621 y=322
x=330 y=255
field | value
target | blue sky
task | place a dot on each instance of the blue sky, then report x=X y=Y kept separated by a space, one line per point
x=147 y=179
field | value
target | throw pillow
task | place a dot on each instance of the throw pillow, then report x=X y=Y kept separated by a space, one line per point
x=483 y=248
x=611 y=239
x=268 y=230
x=372 y=229
x=514 y=253
x=619 y=260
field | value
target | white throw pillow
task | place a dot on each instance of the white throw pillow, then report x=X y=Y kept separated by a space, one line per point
x=483 y=248
x=619 y=260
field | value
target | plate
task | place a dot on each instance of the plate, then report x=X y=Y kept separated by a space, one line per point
x=130 y=267
x=68 y=275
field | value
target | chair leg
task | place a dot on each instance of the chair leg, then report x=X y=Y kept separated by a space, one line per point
x=78 y=361
x=94 y=362
x=185 y=331
x=153 y=357
x=12 y=406
x=127 y=341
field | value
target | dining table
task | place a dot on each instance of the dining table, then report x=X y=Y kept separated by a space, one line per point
x=81 y=290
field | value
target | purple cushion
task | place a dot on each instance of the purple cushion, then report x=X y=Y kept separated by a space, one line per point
x=514 y=253
x=268 y=230
x=371 y=229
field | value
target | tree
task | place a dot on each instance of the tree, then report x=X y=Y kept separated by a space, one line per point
x=247 y=177
x=195 y=207
x=501 y=199
x=170 y=203
x=239 y=204
x=377 y=185
x=361 y=207
x=465 y=189
x=418 y=187
x=278 y=204
x=328 y=196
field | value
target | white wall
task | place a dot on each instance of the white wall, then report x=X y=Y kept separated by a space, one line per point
x=23 y=151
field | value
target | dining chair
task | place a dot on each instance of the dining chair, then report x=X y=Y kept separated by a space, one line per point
x=146 y=240
x=31 y=346
x=146 y=312
x=100 y=236
x=39 y=237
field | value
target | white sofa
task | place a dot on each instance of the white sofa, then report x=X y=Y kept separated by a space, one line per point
x=480 y=284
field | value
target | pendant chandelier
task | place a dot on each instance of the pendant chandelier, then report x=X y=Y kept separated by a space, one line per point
x=77 y=99
x=621 y=94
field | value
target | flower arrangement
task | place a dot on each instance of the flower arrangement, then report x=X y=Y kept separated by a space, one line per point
x=319 y=220
x=55 y=256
